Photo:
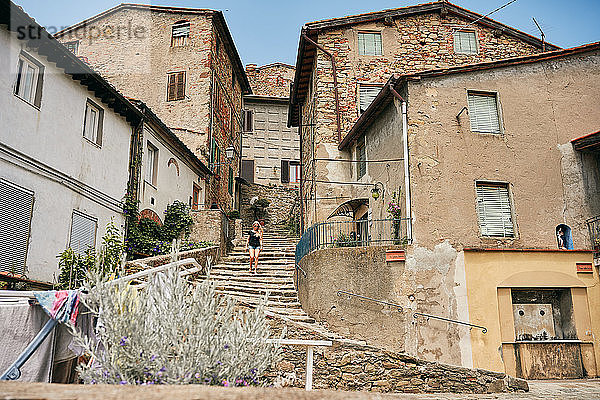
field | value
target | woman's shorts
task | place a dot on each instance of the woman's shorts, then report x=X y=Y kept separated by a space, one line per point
x=254 y=247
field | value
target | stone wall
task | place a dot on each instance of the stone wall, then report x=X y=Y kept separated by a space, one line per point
x=270 y=80
x=200 y=255
x=210 y=226
x=354 y=367
x=284 y=202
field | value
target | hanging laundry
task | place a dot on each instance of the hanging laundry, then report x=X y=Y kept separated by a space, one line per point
x=61 y=305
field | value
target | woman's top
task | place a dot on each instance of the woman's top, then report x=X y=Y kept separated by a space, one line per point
x=254 y=239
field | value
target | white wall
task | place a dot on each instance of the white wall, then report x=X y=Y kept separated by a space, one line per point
x=64 y=170
x=170 y=185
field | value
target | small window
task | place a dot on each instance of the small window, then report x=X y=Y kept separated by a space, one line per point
x=248 y=119
x=367 y=94
x=483 y=112
x=465 y=42
x=92 y=124
x=369 y=44
x=176 y=86
x=180 y=34
x=494 y=210
x=30 y=75
x=72 y=46
x=294 y=172
x=151 y=164
x=361 y=158
x=230 y=181
x=83 y=232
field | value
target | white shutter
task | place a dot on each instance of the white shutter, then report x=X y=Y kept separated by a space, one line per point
x=493 y=210
x=83 y=232
x=16 y=207
x=367 y=94
x=181 y=29
x=483 y=113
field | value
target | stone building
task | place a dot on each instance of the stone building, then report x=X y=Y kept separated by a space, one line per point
x=183 y=63
x=502 y=193
x=342 y=63
x=271 y=150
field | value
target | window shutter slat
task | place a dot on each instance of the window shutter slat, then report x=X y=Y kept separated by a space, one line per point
x=16 y=207
x=494 y=211
x=483 y=113
x=367 y=94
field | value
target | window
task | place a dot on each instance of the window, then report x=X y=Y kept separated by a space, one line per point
x=230 y=181
x=215 y=156
x=83 y=232
x=361 y=157
x=195 y=197
x=369 y=44
x=294 y=172
x=30 y=75
x=483 y=112
x=465 y=42
x=248 y=171
x=151 y=164
x=92 y=124
x=72 y=46
x=248 y=120
x=493 y=210
x=180 y=33
x=176 y=86
x=16 y=208
x=367 y=94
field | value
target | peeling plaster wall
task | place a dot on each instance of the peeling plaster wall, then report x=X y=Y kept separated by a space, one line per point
x=428 y=275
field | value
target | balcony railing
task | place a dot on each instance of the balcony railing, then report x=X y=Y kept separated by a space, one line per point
x=594 y=229
x=351 y=234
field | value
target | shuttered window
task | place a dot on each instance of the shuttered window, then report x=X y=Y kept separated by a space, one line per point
x=369 y=44
x=285 y=171
x=180 y=33
x=248 y=170
x=16 y=207
x=176 y=86
x=230 y=182
x=83 y=232
x=483 y=112
x=361 y=157
x=465 y=42
x=248 y=117
x=367 y=94
x=493 y=210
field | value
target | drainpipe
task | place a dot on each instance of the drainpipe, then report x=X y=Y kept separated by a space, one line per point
x=406 y=164
x=335 y=84
x=301 y=171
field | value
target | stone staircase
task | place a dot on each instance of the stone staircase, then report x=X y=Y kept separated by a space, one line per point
x=275 y=278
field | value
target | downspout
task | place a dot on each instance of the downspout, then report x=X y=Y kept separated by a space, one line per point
x=335 y=84
x=406 y=164
x=301 y=172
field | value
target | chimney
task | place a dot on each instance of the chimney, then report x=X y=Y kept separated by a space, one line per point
x=250 y=67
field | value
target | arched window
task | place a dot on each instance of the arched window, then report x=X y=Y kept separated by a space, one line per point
x=180 y=33
x=563 y=237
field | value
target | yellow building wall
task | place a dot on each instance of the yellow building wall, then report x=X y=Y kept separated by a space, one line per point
x=491 y=273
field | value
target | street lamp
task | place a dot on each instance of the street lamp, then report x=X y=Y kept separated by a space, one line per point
x=229 y=154
x=376 y=191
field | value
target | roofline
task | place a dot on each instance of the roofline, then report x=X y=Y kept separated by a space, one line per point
x=274 y=64
x=585 y=136
x=170 y=135
x=14 y=17
x=312 y=29
x=396 y=81
x=217 y=15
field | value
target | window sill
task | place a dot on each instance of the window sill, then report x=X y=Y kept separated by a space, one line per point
x=92 y=142
x=27 y=102
x=151 y=185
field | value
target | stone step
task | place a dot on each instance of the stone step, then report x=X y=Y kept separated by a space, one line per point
x=283 y=276
x=257 y=299
x=233 y=289
x=250 y=279
x=247 y=285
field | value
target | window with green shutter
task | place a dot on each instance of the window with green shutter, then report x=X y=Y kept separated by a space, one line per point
x=230 y=182
x=369 y=44
x=494 y=210
x=483 y=112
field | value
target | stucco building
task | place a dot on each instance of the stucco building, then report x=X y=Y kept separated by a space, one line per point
x=271 y=150
x=501 y=192
x=342 y=63
x=183 y=63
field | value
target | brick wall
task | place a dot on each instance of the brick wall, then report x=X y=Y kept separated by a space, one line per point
x=270 y=80
x=209 y=227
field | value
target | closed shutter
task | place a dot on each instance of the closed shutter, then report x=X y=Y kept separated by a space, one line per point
x=493 y=210
x=483 y=113
x=361 y=156
x=172 y=87
x=83 y=232
x=16 y=208
x=180 y=86
x=285 y=171
x=230 y=181
x=248 y=170
x=248 y=121
x=367 y=94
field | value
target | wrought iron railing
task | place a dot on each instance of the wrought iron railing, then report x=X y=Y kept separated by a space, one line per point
x=452 y=321
x=594 y=229
x=351 y=234
x=365 y=298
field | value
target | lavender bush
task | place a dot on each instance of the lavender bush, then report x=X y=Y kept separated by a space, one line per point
x=172 y=332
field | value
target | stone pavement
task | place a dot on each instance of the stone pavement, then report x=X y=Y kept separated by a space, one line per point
x=563 y=390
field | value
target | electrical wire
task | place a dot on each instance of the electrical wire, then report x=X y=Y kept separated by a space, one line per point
x=479 y=19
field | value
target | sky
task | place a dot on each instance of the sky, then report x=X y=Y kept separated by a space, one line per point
x=267 y=31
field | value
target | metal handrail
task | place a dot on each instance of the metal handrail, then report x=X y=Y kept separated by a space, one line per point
x=483 y=328
x=300 y=268
x=341 y=292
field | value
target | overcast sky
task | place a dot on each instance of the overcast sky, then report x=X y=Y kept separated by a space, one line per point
x=266 y=31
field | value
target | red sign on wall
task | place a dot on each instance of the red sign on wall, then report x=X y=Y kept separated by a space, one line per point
x=394 y=255
x=584 y=267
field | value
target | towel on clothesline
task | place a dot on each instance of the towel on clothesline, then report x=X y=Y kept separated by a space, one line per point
x=61 y=305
